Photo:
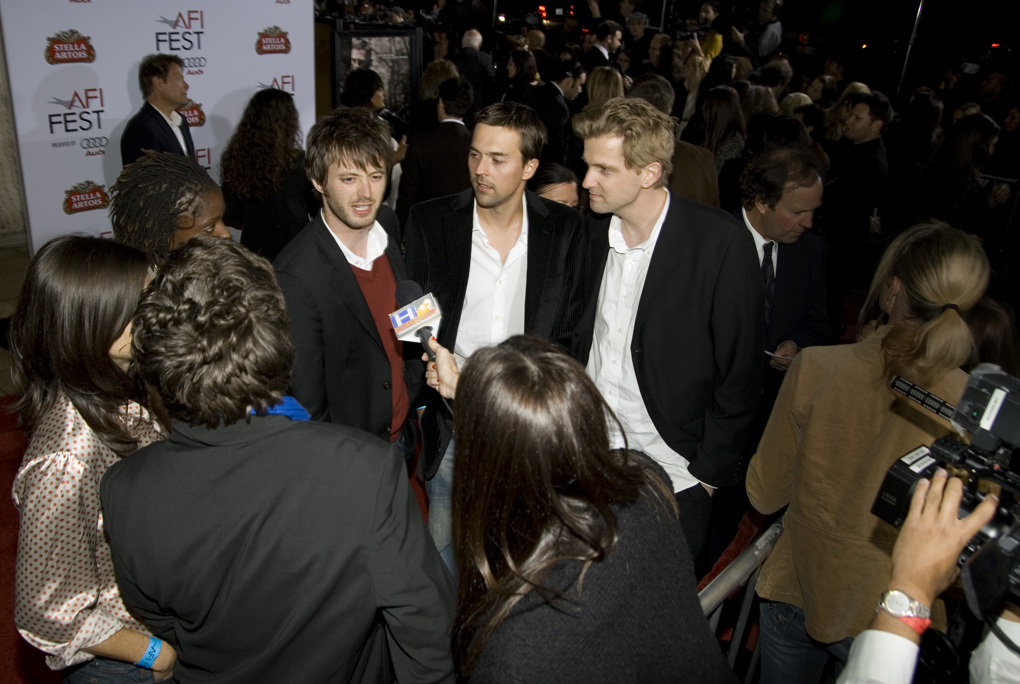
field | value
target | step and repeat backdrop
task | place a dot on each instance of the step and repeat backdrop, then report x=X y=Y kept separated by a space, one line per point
x=73 y=67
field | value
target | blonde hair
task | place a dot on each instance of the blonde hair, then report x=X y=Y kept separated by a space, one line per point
x=436 y=72
x=833 y=124
x=647 y=133
x=943 y=273
x=603 y=84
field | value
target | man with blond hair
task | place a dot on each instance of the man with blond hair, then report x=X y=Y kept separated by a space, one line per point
x=672 y=329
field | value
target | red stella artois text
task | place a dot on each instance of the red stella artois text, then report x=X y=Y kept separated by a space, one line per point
x=193 y=113
x=272 y=40
x=85 y=196
x=69 y=46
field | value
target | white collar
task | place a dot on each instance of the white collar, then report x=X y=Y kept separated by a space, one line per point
x=376 y=247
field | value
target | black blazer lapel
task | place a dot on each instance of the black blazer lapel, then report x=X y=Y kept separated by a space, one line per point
x=455 y=260
x=539 y=310
x=666 y=261
x=343 y=280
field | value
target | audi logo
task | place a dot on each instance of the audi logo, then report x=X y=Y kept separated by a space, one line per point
x=193 y=62
x=92 y=143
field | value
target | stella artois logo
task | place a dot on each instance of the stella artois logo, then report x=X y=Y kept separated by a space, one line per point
x=272 y=40
x=193 y=113
x=65 y=47
x=84 y=197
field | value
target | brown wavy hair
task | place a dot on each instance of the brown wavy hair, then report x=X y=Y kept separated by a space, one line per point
x=211 y=335
x=264 y=147
x=79 y=295
x=535 y=482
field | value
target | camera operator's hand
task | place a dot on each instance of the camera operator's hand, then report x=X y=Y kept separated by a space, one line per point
x=924 y=559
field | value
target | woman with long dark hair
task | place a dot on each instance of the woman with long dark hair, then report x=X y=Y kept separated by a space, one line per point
x=267 y=193
x=724 y=125
x=835 y=430
x=82 y=410
x=572 y=564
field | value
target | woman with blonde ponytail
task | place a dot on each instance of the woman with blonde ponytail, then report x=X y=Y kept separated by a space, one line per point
x=836 y=429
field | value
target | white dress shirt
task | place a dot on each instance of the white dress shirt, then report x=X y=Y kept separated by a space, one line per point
x=759 y=243
x=493 y=307
x=175 y=120
x=879 y=657
x=610 y=363
x=377 y=241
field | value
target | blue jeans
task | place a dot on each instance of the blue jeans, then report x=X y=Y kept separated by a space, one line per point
x=440 y=491
x=788 y=654
x=107 y=671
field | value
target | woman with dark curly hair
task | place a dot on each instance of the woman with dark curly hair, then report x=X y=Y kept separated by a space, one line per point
x=82 y=409
x=268 y=196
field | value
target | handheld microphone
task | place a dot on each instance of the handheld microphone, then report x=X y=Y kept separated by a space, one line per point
x=419 y=318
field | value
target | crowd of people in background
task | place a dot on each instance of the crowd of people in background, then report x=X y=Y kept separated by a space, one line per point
x=677 y=267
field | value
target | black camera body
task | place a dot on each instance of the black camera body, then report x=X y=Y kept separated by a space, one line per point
x=989 y=411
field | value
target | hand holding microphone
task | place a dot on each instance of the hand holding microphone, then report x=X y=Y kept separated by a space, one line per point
x=441 y=370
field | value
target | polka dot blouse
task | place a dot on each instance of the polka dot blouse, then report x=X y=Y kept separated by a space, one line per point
x=66 y=597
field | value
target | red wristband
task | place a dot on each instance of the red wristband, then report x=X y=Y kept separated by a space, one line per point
x=917 y=624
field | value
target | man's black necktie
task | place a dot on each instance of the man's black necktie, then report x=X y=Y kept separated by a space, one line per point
x=768 y=279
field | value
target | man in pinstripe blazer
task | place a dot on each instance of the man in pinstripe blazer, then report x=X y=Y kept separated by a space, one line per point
x=499 y=260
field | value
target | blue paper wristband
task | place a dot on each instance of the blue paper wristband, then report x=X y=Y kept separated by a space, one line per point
x=151 y=653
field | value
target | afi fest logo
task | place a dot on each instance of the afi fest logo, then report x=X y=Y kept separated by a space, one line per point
x=193 y=113
x=185 y=34
x=272 y=41
x=81 y=113
x=283 y=82
x=85 y=196
x=67 y=47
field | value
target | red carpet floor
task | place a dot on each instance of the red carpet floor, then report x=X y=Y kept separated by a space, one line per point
x=19 y=662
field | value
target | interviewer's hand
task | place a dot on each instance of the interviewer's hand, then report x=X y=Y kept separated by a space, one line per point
x=442 y=375
x=924 y=558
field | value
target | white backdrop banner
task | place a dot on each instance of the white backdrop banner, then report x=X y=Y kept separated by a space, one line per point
x=74 y=80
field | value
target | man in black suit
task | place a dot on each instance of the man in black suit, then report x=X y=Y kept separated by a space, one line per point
x=436 y=161
x=672 y=329
x=158 y=125
x=500 y=261
x=608 y=37
x=781 y=190
x=564 y=82
x=339 y=277
x=476 y=66
x=261 y=547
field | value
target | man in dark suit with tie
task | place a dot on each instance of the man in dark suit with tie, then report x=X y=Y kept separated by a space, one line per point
x=564 y=82
x=781 y=189
x=499 y=260
x=672 y=328
x=608 y=38
x=436 y=161
x=339 y=277
x=158 y=125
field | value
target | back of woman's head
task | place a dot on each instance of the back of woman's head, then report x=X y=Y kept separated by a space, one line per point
x=527 y=68
x=723 y=116
x=436 y=72
x=603 y=84
x=942 y=274
x=534 y=479
x=359 y=88
x=964 y=150
x=264 y=146
x=994 y=331
x=78 y=297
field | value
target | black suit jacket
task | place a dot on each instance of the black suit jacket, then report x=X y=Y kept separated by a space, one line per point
x=279 y=551
x=554 y=111
x=697 y=337
x=341 y=371
x=436 y=165
x=148 y=130
x=438 y=241
x=594 y=58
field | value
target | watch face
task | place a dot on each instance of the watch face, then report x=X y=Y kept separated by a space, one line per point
x=897 y=603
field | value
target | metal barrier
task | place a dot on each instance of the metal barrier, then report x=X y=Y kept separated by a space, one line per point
x=743 y=570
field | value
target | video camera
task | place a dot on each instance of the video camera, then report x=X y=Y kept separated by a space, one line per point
x=989 y=411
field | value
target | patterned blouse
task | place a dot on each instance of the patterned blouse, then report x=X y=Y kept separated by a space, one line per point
x=66 y=596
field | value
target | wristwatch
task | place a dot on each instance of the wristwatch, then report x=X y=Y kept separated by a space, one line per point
x=913 y=613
